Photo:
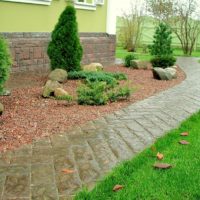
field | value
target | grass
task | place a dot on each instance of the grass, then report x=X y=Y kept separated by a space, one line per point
x=142 y=182
x=121 y=53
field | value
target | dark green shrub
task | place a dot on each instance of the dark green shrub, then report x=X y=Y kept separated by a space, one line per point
x=163 y=61
x=162 y=41
x=5 y=63
x=92 y=94
x=119 y=93
x=127 y=60
x=65 y=50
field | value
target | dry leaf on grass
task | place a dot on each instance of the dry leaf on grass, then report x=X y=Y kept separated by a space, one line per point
x=68 y=171
x=184 y=142
x=159 y=156
x=185 y=134
x=162 y=166
x=117 y=188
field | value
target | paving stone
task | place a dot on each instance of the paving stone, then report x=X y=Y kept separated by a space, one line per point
x=44 y=192
x=42 y=174
x=17 y=186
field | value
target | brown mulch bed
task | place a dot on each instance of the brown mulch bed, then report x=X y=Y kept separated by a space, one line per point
x=28 y=116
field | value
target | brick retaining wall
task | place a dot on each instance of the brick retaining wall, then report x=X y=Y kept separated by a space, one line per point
x=29 y=50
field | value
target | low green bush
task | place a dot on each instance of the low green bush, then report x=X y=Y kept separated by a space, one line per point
x=119 y=93
x=128 y=58
x=99 y=93
x=5 y=63
x=163 y=61
x=108 y=77
x=92 y=93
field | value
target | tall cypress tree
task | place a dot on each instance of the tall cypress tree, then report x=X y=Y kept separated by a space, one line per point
x=162 y=41
x=65 y=50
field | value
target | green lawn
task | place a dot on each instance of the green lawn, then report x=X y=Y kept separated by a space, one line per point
x=121 y=53
x=142 y=182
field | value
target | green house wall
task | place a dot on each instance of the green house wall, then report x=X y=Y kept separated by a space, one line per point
x=21 y=17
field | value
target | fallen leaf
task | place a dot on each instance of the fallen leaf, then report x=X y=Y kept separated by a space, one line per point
x=184 y=142
x=162 y=166
x=117 y=188
x=185 y=134
x=159 y=156
x=68 y=171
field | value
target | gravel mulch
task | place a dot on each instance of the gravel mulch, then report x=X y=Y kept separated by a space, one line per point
x=28 y=116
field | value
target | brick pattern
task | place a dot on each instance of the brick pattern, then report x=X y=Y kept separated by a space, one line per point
x=34 y=171
x=29 y=50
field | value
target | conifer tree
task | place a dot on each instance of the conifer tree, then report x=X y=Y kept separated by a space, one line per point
x=162 y=41
x=65 y=50
x=5 y=63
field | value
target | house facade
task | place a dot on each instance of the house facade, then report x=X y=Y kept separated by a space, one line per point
x=27 y=24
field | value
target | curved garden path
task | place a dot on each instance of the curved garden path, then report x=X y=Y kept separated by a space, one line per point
x=40 y=170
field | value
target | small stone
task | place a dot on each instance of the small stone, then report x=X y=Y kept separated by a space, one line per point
x=59 y=75
x=60 y=92
x=5 y=93
x=1 y=108
x=93 y=67
x=50 y=87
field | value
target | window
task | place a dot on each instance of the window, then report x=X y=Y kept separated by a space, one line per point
x=42 y=2
x=88 y=4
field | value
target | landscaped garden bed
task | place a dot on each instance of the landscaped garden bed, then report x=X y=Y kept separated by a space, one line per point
x=28 y=115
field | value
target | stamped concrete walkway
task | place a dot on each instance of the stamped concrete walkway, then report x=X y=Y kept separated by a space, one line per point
x=34 y=172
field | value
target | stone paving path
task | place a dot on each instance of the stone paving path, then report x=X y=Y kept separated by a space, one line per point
x=34 y=172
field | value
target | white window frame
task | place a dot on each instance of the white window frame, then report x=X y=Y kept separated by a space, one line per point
x=84 y=5
x=41 y=2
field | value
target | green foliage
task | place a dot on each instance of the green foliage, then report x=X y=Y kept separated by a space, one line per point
x=99 y=93
x=108 y=77
x=5 y=63
x=119 y=93
x=128 y=58
x=162 y=41
x=67 y=98
x=163 y=61
x=65 y=50
x=92 y=93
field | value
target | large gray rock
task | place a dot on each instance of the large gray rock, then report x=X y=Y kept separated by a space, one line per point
x=1 y=108
x=164 y=74
x=50 y=87
x=93 y=67
x=59 y=75
x=172 y=71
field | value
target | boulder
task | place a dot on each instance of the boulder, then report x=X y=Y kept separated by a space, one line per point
x=1 y=108
x=50 y=87
x=93 y=67
x=175 y=67
x=60 y=92
x=164 y=74
x=5 y=93
x=59 y=75
x=137 y=64
x=172 y=72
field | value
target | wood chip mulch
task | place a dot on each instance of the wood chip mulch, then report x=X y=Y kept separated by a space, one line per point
x=28 y=116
